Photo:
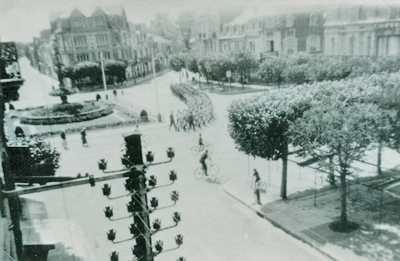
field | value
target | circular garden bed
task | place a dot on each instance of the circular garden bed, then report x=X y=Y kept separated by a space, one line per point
x=67 y=113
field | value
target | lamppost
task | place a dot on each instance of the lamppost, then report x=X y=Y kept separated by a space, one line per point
x=103 y=75
x=154 y=74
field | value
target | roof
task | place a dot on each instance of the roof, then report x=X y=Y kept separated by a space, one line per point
x=86 y=12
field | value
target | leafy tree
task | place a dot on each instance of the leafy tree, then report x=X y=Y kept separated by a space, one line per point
x=347 y=131
x=115 y=69
x=243 y=62
x=271 y=70
x=259 y=126
x=177 y=62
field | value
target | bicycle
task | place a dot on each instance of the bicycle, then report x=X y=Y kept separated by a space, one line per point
x=261 y=185
x=197 y=149
x=213 y=172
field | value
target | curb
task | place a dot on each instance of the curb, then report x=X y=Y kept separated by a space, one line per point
x=276 y=224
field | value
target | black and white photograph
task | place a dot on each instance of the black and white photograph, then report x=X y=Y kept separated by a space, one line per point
x=199 y=130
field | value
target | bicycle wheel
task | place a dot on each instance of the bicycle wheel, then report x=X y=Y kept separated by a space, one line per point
x=195 y=150
x=210 y=148
x=199 y=173
x=214 y=169
x=262 y=185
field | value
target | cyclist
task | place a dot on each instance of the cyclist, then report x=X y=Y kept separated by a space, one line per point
x=203 y=161
x=201 y=144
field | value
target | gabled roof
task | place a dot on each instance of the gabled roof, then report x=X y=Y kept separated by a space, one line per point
x=87 y=12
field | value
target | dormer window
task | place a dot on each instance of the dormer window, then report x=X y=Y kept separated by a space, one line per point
x=290 y=20
x=314 y=20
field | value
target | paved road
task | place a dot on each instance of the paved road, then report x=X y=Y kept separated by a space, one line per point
x=215 y=226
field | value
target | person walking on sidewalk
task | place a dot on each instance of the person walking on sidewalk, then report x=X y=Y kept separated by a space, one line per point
x=64 y=139
x=191 y=121
x=256 y=189
x=83 y=136
x=172 y=121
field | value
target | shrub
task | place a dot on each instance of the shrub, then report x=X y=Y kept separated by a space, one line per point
x=144 y=115
x=69 y=108
x=44 y=158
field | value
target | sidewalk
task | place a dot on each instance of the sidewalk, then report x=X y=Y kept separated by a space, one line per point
x=299 y=217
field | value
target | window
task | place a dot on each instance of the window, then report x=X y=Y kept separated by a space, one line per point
x=290 y=20
x=82 y=57
x=115 y=54
x=351 y=45
x=117 y=38
x=102 y=39
x=314 y=20
x=77 y=23
x=333 y=46
x=289 y=45
x=270 y=46
x=106 y=55
x=99 y=21
x=80 y=40
x=314 y=43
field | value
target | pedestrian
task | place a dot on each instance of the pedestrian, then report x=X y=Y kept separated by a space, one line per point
x=191 y=121
x=11 y=107
x=144 y=74
x=115 y=93
x=172 y=121
x=98 y=97
x=64 y=139
x=122 y=92
x=83 y=136
x=256 y=189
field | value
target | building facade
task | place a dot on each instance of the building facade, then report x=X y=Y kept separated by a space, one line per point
x=361 y=30
x=83 y=37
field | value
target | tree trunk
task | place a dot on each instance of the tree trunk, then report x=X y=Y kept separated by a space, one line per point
x=180 y=80
x=380 y=148
x=284 y=172
x=199 y=82
x=343 y=192
x=332 y=172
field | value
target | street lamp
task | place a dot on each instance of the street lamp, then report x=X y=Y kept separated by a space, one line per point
x=154 y=74
x=104 y=75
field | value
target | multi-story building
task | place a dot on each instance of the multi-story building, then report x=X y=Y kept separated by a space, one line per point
x=363 y=30
x=140 y=44
x=83 y=36
x=301 y=32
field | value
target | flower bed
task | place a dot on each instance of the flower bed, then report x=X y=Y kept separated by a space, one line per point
x=93 y=127
x=68 y=113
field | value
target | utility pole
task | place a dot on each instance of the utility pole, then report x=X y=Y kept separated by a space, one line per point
x=103 y=74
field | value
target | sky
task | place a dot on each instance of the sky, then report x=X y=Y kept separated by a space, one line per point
x=21 y=20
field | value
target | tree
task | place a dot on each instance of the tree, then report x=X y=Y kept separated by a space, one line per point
x=243 y=62
x=271 y=70
x=347 y=131
x=177 y=62
x=259 y=126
